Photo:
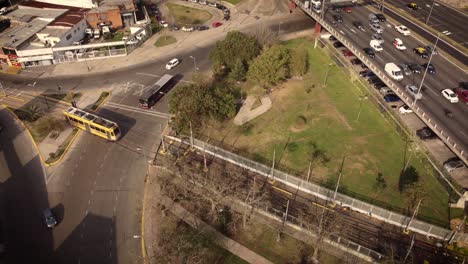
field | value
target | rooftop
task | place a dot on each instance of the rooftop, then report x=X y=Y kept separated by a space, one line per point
x=15 y=36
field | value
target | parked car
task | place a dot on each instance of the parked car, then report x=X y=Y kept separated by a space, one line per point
x=187 y=29
x=425 y=133
x=3 y=10
x=420 y=51
x=413 y=91
x=453 y=164
x=332 y=38
x=338 y=18
x=403 y=30
x=347 y=53
x=430 y=68
x=415 y=68
x=462 y=94
x=381 y=17
x=203 y=27
x=172 y=63
x=377 y=28
x=193 y=1
x=163 y=23
x=356 y=61
x=216 y=24
x=212 y=4
x=385 y=90
x=404 y=109
x=202 y=2
x=49 y=218
x=365 y=73
x=391 y=97
x=398 y=44
x=373 y=79
x=405 y=69
x=359 y=25
x=370 y=52
x=450 y=96
x=338 y=44
x=348 y=9
x=378 y=37
x=336 y=9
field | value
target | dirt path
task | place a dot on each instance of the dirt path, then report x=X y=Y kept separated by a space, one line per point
x=246 y=113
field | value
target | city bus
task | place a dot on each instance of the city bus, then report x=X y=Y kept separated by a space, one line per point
x=92 y=123
x=154 y=93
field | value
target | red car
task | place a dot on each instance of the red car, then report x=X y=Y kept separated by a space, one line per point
x=462 y=94
x=347 y=53
x=348 y=9
x=216 y=24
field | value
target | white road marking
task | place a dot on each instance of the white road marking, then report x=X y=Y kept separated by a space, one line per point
x=157 y=76
x=139 y=110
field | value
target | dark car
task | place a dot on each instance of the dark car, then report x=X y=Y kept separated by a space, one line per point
x=338 y=44
x=415 y=68
x=373 y=80
x=347 y=53
x=201 y=28
x=338 y=18
x=425 y=133
x=431 y=49
x=379 y=85
x=391 y=97
x=336 y=8
x=220 y=7
x=381 y=17
x=359 y=25
x=332 y=38
x=370 y=52
x=420 y=51
x=430 y=68
x=462 y=94
x=227 y=17
x=366 y=73
x=356 y=61
x=463 y=85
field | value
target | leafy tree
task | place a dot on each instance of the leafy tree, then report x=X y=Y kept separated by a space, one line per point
x=236 y=46
x=32 y=112
x=238 y=72
x=271 y=66
x=298 y=62
x=407 y=178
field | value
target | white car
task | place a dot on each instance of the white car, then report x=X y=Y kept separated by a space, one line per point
x=375 y=44
x=163 y=23
x=398 y=43
x=404 y=109
x=173 y=63
x=187 y=29
x=403 y=30
x=3 y=10
x=202 y=2
x=450 y=96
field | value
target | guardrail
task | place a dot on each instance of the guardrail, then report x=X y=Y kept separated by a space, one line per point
x=325 y=194
x=390 y=83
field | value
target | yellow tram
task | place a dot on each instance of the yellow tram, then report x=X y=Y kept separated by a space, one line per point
x=92 y=123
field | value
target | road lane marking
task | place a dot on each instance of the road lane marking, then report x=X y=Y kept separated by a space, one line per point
x=139 y=110
x=158 y=76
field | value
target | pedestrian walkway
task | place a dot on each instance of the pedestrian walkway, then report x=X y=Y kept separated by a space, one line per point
x=246 y=113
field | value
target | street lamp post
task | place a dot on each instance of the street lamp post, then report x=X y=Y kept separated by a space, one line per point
x=326 y=74
x=195 y=68
x=430 y=12
x=425 y=71
x=361 y=99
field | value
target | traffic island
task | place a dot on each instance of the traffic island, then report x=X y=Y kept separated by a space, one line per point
x=102 y=98
x=164 y=41
x=55 y=157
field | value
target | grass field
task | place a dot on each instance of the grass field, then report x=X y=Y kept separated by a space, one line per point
x=234 y=2
x=188 y=15
x=164 y=40
x=306 y=116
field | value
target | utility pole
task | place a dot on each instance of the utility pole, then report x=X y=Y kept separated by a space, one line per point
x=406 y=231
x=361 y=99
x=459 y=226
x=195 y=69
x=409 y=249
x=322 y=13
x=339 y=178
x=382 y=6
x=191 y=135
x=285 y=218
x=326 y=74
x=273 y=166
x=308 y=172
x=425 y=71
x=430 y=12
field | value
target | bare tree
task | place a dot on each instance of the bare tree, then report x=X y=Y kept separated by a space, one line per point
x=265 y=36
x=255 y=196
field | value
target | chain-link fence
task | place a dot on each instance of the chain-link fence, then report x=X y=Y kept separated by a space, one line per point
x=326 y=194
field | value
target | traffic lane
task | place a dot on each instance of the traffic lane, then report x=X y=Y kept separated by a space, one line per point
x=24 y=196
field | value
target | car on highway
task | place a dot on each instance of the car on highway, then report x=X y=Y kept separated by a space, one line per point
x=356 y=61
x=403 y=30
x=49 y=218
x=370 y=52
x=377 y=28
x=394 y=71
x=413 y=91
x=381 y=17
x=431 y=49
x=338 y=44
x=359 y=25
x=453 y=164
x=415 y=68
x=373 y=19
x=413 y=6
x=430 y=68
x=425 y=133
x=172 y=63
x=375 y=44
x=420 y=51
x=216 y=24
x=398 y=44
x=450 y=96
x=462 y=94
x=338 y=18
x=347 y=53
x=405 y=69
x=378 y=37
x=404 y=109
x=391 y=98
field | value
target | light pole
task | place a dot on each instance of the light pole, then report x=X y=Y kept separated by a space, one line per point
x=425 y=71
x=194 y=63
x=382 y=6
x=326 y=74
x=361 y=99
x=406 y=231
x=430 y=12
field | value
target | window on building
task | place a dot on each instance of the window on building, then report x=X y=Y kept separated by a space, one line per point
x=69 y=36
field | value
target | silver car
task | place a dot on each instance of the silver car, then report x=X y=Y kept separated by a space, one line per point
x=49 y=218
x=405 y=69
x=413 y=91
x=377 y=28
x=453 y=164
x=378 y=37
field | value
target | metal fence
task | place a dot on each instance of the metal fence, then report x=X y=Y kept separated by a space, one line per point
x=324 y=193
x=390 y=83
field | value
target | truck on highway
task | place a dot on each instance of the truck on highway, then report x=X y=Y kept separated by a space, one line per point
x=394 y=71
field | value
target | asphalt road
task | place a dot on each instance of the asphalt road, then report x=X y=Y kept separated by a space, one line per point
x=99 y=185
x=23 y=197
x=442 y=18
x=448 y=75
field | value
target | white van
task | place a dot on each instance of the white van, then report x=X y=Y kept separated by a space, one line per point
x=394 y=71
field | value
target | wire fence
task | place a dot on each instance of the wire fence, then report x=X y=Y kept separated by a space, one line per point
x=372 y=210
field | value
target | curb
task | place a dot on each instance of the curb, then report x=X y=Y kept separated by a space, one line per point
x=64 y=151
x=103 y=101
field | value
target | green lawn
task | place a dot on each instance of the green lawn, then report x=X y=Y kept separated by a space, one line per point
x=306 y=116
x=234 y=2
x=188 y=15
x=165 y=40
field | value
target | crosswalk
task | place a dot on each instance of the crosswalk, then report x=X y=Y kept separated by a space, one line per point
x=138 y=110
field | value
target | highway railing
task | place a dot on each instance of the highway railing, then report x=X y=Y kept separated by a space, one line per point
x=459 y=151
x=382 y=214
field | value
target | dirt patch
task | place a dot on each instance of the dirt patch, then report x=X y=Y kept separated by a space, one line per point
x=300 y=124
x=263 y=7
